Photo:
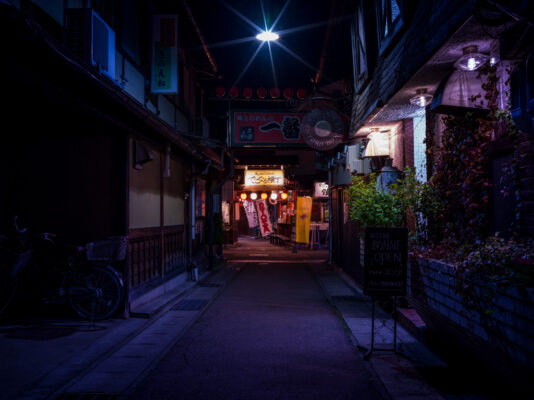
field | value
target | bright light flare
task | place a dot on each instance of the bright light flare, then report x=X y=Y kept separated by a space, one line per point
x=267 y=36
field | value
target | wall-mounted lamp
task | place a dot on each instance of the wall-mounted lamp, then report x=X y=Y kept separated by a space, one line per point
x=422 y=98
x=471 y=60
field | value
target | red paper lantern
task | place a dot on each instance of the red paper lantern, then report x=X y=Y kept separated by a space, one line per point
x=288 y=93
x=301 y=93
x=234 y=92
x=247 y=93
x=220 y=91
x=275 y=92
x=262 y=92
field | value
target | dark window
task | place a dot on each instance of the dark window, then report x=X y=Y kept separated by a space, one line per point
x=389 y=20
x=130 y=30
x=359 y=48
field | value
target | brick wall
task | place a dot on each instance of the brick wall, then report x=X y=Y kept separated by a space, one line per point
x=408 y=142
x=505 y=323
x=526 y=176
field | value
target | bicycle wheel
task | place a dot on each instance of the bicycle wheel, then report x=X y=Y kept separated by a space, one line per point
x=95 y=294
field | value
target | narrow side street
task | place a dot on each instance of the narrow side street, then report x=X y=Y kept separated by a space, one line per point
x=270 y=335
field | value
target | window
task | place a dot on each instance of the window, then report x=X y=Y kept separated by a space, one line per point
x=389 y=13
x=359 y=49
x=200 y=201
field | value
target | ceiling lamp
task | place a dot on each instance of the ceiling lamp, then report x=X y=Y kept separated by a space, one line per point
x=471 y=60
x=422 y=98
x=264 y=196
x=253 y=196
x=267 y=36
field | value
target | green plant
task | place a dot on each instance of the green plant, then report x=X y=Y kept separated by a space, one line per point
x=419 y=202
x=371 y=207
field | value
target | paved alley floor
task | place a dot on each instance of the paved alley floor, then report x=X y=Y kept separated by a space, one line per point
x=270 y=335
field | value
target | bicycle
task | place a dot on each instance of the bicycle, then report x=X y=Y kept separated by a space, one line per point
x=81 y=276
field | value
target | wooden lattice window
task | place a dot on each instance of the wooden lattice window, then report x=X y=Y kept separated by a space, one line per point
x=389 y=20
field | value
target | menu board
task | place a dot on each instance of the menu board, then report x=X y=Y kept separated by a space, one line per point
x=386 y=252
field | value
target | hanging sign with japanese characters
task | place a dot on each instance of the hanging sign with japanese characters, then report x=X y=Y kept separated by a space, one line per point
x=263 y=217
x=264 y=177
x=304 y=208
x=256 y=128
x=386 y=253
x=250 y=211
x=321 y=189
x=164 y=54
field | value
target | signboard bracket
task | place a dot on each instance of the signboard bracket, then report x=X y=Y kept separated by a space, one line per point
x=393 y=349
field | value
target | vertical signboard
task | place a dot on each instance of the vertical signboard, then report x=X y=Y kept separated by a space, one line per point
x=386 y=253
x=263 y=218
x=164 y=54
x=304 y=208
x=250 y=211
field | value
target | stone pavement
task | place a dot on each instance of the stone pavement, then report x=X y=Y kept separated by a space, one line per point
x=112 y=357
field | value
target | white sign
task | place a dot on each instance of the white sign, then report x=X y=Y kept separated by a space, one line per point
x=250 y=210
x=321 y=189
x=265 y=177
x=164 y=54
x=264 y=219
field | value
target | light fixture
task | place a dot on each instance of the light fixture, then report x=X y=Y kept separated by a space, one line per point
x=284 y=196
x=267 y=36
x=422 y=98
x=243 y=196
x=471 y=59
x=264 y=196
x=274 y=195
x=253 y=196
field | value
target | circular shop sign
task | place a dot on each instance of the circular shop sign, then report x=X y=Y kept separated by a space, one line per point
x=323 y=129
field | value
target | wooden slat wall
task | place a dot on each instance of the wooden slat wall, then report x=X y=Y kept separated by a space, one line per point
x=144 y=260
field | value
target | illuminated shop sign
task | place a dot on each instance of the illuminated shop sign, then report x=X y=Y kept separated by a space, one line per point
x=267 y=177
x=321 y=189
x=257 y=128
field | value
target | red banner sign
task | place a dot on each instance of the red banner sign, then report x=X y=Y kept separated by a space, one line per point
x=263 y=217
x=267 y=128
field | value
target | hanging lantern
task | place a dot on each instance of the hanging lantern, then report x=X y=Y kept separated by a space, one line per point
x=220 y=91
x=264 y=196
x=243 y=196
x=253 y=196
x=288 y=93
x=262 y=92
x=284 y=196
x=301 y=93
x=247 y=93
x=233 y=92
x=274 y=92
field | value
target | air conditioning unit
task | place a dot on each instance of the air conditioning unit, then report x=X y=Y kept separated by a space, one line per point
x=90 y=38
x=354 y=163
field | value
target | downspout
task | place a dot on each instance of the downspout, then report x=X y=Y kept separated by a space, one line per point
x=212 y=193
x=330 y=216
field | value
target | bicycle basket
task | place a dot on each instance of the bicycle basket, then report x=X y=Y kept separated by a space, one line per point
x=111 y=249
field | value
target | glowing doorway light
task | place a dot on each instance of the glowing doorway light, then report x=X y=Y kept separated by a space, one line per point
x=267 y=36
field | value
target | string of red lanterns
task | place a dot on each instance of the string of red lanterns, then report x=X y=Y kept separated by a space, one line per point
x=261 y=92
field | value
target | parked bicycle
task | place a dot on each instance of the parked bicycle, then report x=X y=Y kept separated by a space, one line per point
x=83 y=277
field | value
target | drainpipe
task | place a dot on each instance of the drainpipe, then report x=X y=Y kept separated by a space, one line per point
x=212 y=193
x=192 y=223
x=330 y=216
